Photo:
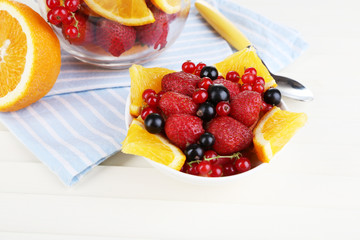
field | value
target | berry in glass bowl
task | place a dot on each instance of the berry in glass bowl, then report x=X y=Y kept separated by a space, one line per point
x=115 y=34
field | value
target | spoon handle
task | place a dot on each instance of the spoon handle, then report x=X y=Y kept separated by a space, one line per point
x=222 y=25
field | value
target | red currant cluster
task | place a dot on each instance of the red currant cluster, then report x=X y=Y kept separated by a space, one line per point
x=152 y=99
x=251 y=81
x=190 y=67
x=214 y=165
x=64 y=15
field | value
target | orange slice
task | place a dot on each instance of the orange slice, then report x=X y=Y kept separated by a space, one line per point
x=29 y=56
x=243 y=59
x=274 y=130
x=126 y=12
x=168 y=6
x=142 y=79
x=152 y=146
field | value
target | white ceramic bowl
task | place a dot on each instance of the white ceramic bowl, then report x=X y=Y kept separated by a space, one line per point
x=185 y=177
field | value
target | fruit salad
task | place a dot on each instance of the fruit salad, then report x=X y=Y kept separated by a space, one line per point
x=209 y=121
x=105 y=29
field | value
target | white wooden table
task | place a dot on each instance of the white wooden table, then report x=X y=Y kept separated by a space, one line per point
x=311 y=192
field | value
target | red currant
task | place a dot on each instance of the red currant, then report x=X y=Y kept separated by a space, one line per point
x=220 y=77
x=248 y=78
x=52 y=18
x=160 y=94
x=147 y=93
x=258 y=88
x=184 y=168
x=61 y=13
x=72 y=32
x=242 y=164
x=223 y=108
x=233 y=76
x=52 y=3
x=69 y=20
x=210 y=154
x=152 y=100
x=251 y=70
x=72 y=5
x=259 y=80
x=188 y=67
x=204 y=168
x=216 y=171
x=193 y=169
x=197 y=72
x=205 y=83
x=245 y=87
x=223 y=160
x=146 y=111
x=200 y=66
x=266 y=107
x=229 y=169
x=200 y=96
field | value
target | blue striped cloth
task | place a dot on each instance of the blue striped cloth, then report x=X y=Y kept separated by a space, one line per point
x=80 y=122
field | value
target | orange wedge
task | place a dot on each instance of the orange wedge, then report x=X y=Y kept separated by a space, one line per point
x=243 y=59
x=274 y=130
x=126 y=12
x=152 y=146
x=168 y=6
x=29 y=56
x=142 y=79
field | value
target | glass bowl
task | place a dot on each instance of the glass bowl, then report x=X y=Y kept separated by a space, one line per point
x=97 y=40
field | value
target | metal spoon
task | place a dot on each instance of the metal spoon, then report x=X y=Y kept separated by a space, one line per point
x=292 y=89
x=287 y=86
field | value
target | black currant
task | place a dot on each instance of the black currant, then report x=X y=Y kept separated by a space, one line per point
x=154 y=123
x=272 y=96
x=206 y=111
x=218 y=93
x=207 y=140
x=194 y=152
x=210 y=72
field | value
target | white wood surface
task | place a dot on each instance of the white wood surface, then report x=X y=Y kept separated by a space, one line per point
x=312 y=191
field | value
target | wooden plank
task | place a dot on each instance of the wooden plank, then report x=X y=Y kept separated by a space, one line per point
x=272 y=186
x=170 y=220
x=42 y=236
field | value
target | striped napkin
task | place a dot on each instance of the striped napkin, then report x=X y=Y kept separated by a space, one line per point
x=80 y=122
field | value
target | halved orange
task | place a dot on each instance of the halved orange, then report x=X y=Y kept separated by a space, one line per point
x=30 y=57
x=152 y=146
x=168 y=6
x=126 y=12
x=142 y=79
x=274 y=130
x=243 y=59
